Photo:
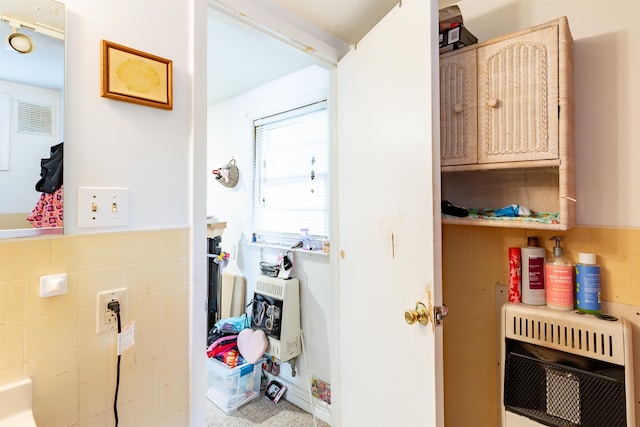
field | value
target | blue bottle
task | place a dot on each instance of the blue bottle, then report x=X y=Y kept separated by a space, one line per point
x=588 y=284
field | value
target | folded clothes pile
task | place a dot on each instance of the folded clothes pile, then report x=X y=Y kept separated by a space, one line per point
x=223 y=341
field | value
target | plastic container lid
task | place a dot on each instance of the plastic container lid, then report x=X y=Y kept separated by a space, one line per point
x=584 y=258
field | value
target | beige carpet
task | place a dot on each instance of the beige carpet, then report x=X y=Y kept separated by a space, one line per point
x=262 y=412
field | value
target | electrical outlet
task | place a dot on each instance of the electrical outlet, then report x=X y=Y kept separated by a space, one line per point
x=106 y=319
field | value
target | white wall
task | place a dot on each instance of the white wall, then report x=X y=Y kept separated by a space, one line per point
x=17 y=184
x=158 y=154
x=230 y=135
x=607 y=106
x=118 y=144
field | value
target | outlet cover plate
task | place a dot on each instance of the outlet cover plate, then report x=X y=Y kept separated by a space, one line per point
x=106 y=319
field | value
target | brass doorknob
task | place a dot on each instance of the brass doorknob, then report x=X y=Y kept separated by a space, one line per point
x=420 y=314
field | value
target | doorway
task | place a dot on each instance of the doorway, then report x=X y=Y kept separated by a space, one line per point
x=251 y=75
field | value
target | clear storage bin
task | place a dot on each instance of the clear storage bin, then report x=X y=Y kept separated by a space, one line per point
x=230 y=388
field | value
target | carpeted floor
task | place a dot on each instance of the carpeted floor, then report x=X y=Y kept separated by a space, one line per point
x=262 y=412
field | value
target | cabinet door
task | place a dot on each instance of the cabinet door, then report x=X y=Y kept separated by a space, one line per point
x=518 y=98
x=458 y=109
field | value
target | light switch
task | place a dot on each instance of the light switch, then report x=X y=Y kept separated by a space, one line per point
x=103 y=207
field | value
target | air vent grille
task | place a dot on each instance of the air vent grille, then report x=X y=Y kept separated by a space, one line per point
x=270 y=286
x=35 y=118
x=571 y=332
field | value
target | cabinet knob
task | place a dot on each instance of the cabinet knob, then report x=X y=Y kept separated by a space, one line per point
x=457 y=108
x=492 y=102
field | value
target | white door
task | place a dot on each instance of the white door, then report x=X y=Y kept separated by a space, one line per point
x=390 y=373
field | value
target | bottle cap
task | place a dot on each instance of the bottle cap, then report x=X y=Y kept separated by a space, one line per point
x=584 y=258
x=532 y=241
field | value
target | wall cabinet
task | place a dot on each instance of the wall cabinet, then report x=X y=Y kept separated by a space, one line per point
x=458 y=108
x=506 y=127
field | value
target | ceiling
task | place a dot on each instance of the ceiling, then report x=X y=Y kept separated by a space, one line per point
x=241 y=57
x=47 y=12
x=348 y=20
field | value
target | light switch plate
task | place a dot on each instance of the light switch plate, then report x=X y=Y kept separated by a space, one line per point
x=103 y=207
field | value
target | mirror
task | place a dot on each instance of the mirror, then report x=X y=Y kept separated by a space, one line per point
x=31 y=116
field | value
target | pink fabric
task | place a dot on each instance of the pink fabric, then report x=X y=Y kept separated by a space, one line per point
x=48 y=211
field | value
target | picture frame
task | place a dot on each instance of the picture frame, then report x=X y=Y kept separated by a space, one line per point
x=131 y=75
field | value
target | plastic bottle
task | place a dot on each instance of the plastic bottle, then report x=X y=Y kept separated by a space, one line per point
x=588 y=284
x=515 y=275
x=532 y=258
x=304 y=236
x=558 y=278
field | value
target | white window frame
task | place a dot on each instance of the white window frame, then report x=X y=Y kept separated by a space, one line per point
x=268 y=224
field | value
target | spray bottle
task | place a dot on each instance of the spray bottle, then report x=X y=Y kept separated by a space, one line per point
x=558 y=274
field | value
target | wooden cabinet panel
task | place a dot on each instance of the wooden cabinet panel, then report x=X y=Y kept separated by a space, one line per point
x=518 y=98
x=458 y=109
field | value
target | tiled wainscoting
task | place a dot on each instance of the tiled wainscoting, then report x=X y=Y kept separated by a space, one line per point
x=54 y=340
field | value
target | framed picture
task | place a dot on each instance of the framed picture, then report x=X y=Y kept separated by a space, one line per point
x=134 y=76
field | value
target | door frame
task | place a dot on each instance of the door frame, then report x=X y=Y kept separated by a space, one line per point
x=327 y=52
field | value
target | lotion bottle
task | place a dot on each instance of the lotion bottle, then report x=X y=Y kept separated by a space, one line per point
x=558 y=275
x=532 y=259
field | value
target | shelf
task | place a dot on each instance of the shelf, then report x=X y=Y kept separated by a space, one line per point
x=215 y=229
x=506 y=224
x=280 y=247
x=503 y=166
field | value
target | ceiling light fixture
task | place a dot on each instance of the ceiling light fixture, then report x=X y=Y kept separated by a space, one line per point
x=20 y=42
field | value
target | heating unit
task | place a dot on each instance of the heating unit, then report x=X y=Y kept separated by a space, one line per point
x=565 y=368
x=276 y=310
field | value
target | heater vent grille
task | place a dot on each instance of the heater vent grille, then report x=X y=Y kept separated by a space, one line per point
x=276 y=311
x=565 y=368
x=272 y=287
x=571 y=332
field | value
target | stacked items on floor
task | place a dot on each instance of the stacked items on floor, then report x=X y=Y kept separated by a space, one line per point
x=453 y=33
x=234 y=367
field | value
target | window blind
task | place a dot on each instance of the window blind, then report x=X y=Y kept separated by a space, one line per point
x=291 y=173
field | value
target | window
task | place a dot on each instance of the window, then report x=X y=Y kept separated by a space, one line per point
x=291 y=173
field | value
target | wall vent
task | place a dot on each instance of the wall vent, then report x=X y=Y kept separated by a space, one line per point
x=600 y=338
x=565 y=368
x=35 y=118
x=273 y=287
